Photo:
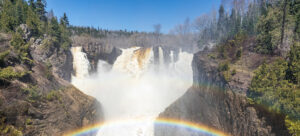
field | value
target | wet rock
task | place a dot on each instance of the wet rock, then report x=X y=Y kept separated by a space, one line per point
x=211 y=102
x=96 y=50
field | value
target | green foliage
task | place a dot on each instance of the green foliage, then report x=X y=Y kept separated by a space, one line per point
x=227 y=75
x=293 y=73
x=65 y=40
x=293 y=126
x=9 y=74
x=97 y=32
x=28 y=122
x=224 y=70
x=233 y=72
x=53 y=29
x=232 y=48
x=238 y=54
x=1 y=101
x=2 y=56
x=8 y=20
x=8 y=130
x=14 y=13
x=64 y=21
x=295 y=12
x=33 y=22
x=48 y=72
x=272 y=87
x=224 y=66
x=53 y=95
x=212 y=56
x=20 y=47
x=17 y=40
x=32 y=93
x=40 y=9
x=269 y=28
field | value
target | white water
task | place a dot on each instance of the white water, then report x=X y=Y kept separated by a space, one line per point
x=133 y=89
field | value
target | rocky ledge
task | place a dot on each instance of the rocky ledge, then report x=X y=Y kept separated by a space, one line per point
x=212 y=102
x=35 y=96
x=96 y=50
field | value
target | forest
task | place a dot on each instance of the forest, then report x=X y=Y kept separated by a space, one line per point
x=274 y=26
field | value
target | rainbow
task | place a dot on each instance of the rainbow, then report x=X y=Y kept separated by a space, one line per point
x=202 y=129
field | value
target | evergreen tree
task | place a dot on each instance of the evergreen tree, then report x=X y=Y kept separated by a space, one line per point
x=33 y=22
x=32 y=4
x=65 y=40
x=64 y=20
x=19 y=12
x=295 y=11
x=54 y=29
x=40 y=9
x=17 y=40
x=221 y=21
x=293 y=73
x=8 y=20
x=269 y=31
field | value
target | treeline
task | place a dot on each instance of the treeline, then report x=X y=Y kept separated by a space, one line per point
x=274 y=28
x=98 y=33
x=13 y=13
x=278 y=84
x=271 y=22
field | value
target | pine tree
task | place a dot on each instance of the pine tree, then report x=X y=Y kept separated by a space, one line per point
x=64 y=20
x=54 y=29
x=295 y=11
x=17 y=40
x=269 y=31
x=65 y=40
x=294 y=64
x=8 y=20
x=33 y=22
x=40 y=9
x=221 y=21
x=20 y=12
x=32 y=4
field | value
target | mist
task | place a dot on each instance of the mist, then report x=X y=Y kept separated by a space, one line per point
x=134 y=88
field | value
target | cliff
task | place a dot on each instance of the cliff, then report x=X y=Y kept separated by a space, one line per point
x=35 y=98
x=96 y=50
x=221 y=104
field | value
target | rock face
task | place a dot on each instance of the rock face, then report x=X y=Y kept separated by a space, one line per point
x=166 y=55
x=212 y=103
x=96 y=50
x=42 y=102
x=59 y=60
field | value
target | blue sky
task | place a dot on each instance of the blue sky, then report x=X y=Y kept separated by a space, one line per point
x=138 y=15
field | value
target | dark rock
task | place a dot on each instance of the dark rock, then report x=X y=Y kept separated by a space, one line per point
x=212 y=103
x=26 y=104
x=61 y=61
x=96 y=50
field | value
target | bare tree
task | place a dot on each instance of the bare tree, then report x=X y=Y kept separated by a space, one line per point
x=157 y=28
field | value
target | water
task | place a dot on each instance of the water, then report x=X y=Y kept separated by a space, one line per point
x=133 y=90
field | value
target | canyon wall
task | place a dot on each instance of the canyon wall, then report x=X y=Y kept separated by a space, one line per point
x=211 y=102
x=96 y=50
x=41 y=101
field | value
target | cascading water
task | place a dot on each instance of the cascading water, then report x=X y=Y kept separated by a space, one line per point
x=133 y=89
x=80 y=62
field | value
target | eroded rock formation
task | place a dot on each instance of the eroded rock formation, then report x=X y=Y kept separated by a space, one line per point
x=42 y=101
x=211 y=102
x=96 y=50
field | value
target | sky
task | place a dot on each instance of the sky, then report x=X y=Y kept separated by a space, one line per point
x=138 y=15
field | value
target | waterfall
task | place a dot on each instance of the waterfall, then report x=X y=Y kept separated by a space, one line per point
x=132 y=89
x=161 y=56
x=81 y=64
